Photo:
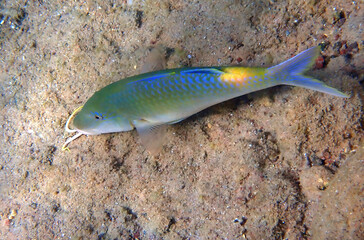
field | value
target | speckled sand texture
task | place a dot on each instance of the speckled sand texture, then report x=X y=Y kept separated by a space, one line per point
x=283 y=163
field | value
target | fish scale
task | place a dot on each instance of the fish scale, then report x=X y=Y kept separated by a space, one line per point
x=192 y=91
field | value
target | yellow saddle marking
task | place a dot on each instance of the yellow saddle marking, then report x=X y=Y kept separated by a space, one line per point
x=235 y=74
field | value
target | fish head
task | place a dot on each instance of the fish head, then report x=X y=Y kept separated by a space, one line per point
x=96 y=117
x=93 y=122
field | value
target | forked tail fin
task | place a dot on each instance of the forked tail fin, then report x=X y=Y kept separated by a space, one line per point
x=292 y=72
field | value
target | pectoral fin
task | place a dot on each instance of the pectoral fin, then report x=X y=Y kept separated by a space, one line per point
x=152 y=135
x=155 y=61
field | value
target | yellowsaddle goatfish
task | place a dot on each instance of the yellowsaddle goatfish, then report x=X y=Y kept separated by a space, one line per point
x=152 y=100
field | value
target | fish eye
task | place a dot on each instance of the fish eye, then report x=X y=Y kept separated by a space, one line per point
x=98 y=116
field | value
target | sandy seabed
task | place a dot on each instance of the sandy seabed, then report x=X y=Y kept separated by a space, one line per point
x=282 y=163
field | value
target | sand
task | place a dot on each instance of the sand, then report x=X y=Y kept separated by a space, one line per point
x=282 y=163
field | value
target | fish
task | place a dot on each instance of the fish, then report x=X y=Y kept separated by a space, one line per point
x=151 y=101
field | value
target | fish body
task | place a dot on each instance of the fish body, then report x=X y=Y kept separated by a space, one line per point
x=151 y=100
x=173 y=95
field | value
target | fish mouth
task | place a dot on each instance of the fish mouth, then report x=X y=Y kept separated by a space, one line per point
x=66 y=128
x=78 y=132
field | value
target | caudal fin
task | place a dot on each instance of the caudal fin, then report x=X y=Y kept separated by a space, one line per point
x=292 y=72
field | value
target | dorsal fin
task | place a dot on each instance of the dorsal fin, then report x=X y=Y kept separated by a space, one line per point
x=202 y=71
x=152 y=77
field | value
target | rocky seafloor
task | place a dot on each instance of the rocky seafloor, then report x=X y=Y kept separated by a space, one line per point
x=282 y=163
